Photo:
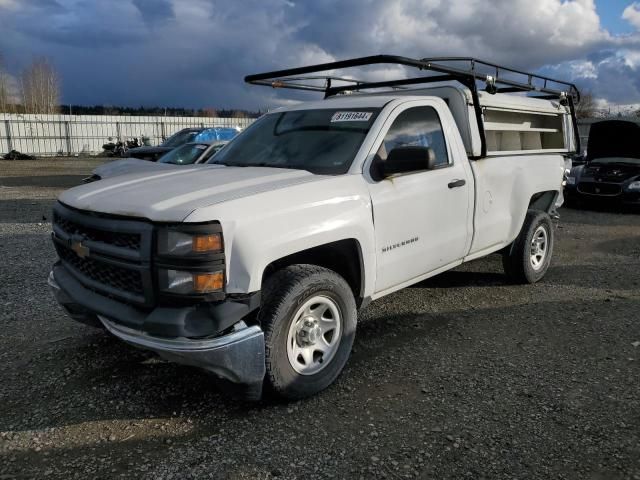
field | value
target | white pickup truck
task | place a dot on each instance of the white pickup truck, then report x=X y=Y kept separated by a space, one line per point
x=254 y=267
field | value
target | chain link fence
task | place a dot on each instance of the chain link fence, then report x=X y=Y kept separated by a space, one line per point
x=67 y=135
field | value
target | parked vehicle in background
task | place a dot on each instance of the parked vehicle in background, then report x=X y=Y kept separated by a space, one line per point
x=119 y=148
x=188 y=154
x=579 y=159
x=254 y=265
x=192 y=153
x=186 y=135
x=611 y=172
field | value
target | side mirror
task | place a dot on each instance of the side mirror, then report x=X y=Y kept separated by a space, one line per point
x=408 y=159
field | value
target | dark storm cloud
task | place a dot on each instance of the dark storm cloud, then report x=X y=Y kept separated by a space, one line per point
x=154 y=12
x=196 y=52
x=47 y=5
x=77 y=23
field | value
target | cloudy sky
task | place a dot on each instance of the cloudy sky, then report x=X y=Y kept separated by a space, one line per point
x=195 y=53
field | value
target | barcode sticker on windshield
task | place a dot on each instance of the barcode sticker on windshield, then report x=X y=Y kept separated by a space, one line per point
x=351 y=117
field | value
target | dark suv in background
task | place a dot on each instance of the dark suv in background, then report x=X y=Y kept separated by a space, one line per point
x=186 y=135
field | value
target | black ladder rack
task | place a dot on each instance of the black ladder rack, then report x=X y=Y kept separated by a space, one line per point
x=467 y=71
x=495 y=76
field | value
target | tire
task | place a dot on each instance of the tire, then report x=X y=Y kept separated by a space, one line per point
x=294 y=367
x=518 y=259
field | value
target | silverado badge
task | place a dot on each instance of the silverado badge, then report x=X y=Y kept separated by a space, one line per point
x=80 y=249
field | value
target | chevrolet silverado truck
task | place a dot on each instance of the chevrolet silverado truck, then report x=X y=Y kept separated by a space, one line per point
x=255 y=265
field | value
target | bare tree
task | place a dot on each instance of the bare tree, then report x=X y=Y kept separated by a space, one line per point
x=587 y=106
x=40 y=87
x=239 y=114
x=5 y=99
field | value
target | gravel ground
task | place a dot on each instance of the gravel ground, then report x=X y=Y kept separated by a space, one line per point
x=461 y=376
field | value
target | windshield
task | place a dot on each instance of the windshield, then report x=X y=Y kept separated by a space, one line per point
x=180 y=138
x=216 y=133
x=612 y=160
x=320 y=141
x=184 y=155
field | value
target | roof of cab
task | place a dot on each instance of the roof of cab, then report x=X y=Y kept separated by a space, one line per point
x=380 y=99
x=343 y=101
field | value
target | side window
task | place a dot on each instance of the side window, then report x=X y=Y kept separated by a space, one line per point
x=416 y=127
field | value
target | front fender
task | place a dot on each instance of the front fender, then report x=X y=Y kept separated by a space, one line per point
x=263 y=228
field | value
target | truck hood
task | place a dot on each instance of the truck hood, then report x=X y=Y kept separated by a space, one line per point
x=614 y=138
x=129 y=165
x=171 y=195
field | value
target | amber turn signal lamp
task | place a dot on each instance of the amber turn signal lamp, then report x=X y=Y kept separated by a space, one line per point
x=208 y=282
x=207 y=243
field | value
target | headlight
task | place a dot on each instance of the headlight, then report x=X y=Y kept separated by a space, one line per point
x=571 y=180
x=178 y=243
x=190 y=260
x=190 y=283
x=633 y=186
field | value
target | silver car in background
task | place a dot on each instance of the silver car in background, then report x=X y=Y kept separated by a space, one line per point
x=192 y=153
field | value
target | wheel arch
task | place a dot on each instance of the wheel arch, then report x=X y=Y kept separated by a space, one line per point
x=344 y=257
x=543 y=201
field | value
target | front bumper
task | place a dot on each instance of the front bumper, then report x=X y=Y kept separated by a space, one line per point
x=238 y=356
x=625 y=197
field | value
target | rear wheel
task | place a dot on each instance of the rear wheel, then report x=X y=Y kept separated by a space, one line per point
x=527 y=259
x=309 y=319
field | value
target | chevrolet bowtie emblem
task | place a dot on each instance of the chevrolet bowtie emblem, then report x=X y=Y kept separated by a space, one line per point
x=80 y=249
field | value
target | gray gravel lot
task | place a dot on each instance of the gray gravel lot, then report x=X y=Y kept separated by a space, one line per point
x=461 y=376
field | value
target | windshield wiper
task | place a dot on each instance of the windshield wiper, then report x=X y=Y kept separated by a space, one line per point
x=270 y=165
x=267 y=165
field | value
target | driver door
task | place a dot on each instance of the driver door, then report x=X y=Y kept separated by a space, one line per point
x=423 y=218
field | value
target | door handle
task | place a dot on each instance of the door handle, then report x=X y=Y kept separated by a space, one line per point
x=456 y=183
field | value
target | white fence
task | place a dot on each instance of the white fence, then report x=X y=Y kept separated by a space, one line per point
x=46 y=135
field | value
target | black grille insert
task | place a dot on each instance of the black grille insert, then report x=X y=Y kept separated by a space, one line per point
x=117 y=239
x=107 y=254
x=597 y=188
x=112 y=276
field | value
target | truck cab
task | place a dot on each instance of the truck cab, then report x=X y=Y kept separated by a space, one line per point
x=254 y=266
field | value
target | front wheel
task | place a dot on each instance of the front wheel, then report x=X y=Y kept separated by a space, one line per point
x=309 y=319
x=527 y=259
